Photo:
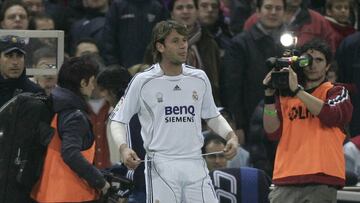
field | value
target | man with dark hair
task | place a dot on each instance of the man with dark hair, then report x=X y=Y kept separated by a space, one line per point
x=45 y=58
x=244 y=63
x=214 y=143
x=14 y=16
x=171 y=98
x=12 y=68
x=86 y=46
x=211 y=18
x=309 y=125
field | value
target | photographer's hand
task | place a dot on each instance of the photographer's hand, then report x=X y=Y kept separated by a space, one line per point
x=293 y=80
x=268 y=90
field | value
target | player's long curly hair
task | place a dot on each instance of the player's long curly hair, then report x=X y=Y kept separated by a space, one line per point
x=161 y=31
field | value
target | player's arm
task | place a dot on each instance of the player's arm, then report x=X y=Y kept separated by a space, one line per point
x=128 y=156
x=221 y=127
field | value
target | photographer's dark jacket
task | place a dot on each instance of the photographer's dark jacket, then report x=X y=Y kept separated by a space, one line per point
x=244 y=70
x=10 y=87
x=310 y=149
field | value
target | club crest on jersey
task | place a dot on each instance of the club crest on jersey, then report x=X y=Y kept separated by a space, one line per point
x=195 y=96
x=159 y=97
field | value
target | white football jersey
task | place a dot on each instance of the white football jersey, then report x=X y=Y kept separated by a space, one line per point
x=170 y=109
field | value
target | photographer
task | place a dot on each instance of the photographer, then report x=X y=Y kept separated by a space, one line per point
x=309 y=164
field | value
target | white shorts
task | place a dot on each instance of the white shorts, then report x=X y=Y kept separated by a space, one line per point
x=175 y=180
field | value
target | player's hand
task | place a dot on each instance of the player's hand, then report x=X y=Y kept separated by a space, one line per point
x=105 y=189
x=230 y=149
x=129 y=157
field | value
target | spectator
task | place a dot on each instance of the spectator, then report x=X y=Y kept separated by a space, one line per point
x=305 y=23
x=214 y=143
x=45 y=58
x=210 y=17
x=127 y=30
x=86 y=46
x=240 y=11
x=203 y=50
x=14 y=16
x=92 y=24
x=35 y=7
x=348 y=60
x=42 y=22
x=244 y=62
x=309 y=125
x=13 y=79
x=338 y=16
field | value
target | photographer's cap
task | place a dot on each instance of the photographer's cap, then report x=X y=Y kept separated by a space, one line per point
x=10 y=43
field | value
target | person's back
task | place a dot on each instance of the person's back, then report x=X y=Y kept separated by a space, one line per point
x=127 y=30
x=348 y=59
x=22 y=149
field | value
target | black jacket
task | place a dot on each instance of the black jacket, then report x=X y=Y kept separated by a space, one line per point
x=91 y=26
x=25 y=132
x=75 y=131
x=10 y=87
x=244 y=71
x=128 y=28
x=348 y=58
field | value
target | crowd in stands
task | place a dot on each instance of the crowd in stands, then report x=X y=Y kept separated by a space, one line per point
x=230 y=40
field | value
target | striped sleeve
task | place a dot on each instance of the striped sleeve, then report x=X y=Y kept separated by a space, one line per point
x=337 y=109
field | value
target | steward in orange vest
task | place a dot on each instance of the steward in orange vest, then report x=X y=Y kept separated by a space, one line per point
x=69 y=174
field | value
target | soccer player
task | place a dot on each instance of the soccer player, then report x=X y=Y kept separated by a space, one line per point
x=170 y=99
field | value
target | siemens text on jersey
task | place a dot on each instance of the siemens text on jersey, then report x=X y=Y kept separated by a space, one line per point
x=179 y=114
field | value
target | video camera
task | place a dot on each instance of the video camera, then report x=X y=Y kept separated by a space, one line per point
x=280 y=78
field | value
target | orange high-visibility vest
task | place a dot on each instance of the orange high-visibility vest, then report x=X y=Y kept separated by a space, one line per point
x=58 y=183
x=307 y=146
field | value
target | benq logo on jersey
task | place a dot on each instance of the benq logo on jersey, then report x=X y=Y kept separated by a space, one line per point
x=175 y=114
